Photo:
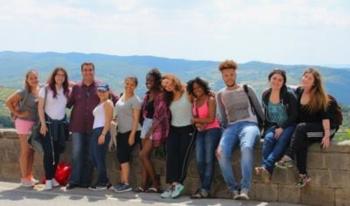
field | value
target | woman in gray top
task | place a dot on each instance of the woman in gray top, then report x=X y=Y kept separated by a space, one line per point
x=128 y=109
x=23 y=105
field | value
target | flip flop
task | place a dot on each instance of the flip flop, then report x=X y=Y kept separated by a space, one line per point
x=153 y=190
x=139 y=189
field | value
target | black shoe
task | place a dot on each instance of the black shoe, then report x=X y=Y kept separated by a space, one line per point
x=71 y=186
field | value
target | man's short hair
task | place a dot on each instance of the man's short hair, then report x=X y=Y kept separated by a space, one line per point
x=228 y=64
x=87 y=64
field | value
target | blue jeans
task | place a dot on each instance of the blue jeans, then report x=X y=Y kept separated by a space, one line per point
x=81 y=164
x=98 y=155
x=245 y=134
x=206 y=144
x=273 y=148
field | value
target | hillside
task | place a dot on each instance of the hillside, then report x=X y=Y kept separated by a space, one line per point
x=113 y=69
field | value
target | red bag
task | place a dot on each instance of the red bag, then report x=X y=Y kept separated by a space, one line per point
x=63 y=172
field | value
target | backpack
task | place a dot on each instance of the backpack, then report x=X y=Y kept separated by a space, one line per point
x=335 y=112
x=259 y=116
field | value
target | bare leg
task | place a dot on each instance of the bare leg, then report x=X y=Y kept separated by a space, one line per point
x=145 y=155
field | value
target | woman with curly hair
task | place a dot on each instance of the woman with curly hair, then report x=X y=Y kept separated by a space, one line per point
x=208 y=135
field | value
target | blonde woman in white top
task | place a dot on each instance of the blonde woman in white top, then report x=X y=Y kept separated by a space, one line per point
x=181 y=135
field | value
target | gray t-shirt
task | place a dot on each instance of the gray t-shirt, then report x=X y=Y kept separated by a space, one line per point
x=28 y=103
x=124 y=113
x=234 y=106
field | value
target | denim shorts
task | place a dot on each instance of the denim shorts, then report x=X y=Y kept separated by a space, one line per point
x=147 y=124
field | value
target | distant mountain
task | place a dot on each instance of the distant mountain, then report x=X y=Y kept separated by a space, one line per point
x=113 y=69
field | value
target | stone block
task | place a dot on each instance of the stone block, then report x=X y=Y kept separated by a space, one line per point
x=315 y=160
x=264 y=192
x=338 y=161
x=288 y=193
x=320 y=178
x=342 y=197
x=320 y=196
x=339 y=179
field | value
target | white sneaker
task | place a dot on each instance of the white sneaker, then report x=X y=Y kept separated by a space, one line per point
x=34 y=181
x=244 y=195
x=235 y=195
x=167 y=193
x=26 y=182
x=55 y=183
x=48 y=185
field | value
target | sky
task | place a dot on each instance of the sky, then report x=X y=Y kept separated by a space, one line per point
x=280 y=31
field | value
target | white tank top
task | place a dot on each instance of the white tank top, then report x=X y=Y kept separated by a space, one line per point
x=99 y=116
x=181 y=111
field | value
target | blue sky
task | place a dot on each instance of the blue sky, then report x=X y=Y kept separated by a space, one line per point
x=289 y=32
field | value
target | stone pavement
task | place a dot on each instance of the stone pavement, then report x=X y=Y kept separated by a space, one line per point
x=11 y=194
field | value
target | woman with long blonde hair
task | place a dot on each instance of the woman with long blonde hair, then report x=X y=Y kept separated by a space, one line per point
x=314 y=123
x=23 y=104
x=181 y=135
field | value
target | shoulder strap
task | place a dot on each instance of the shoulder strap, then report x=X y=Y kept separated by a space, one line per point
x=45 y=97
x=245 y=88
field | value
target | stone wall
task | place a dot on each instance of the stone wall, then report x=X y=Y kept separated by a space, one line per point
x=330 y=172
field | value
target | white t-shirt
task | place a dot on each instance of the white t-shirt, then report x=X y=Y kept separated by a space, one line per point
x=54 y=107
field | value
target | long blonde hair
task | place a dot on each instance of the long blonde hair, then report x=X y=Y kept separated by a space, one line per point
x=319 y=99
x=178 y=86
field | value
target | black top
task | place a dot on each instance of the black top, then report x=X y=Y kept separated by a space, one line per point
x=150 y=109
x=305 y=115
x=289 y=100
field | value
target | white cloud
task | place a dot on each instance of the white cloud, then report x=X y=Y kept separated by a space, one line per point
x=212 y=29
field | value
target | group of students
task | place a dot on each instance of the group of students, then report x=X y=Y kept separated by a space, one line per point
x=181 y=116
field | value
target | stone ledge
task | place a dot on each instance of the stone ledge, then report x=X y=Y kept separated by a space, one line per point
x=330 y=172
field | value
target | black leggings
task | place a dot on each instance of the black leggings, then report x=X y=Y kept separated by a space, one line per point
x=52 y=151
x=178 y=146
x=304 y=135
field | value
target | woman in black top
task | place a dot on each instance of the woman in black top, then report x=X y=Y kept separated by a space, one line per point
x=313 y=123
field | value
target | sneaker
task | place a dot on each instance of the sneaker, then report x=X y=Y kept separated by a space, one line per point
x=303 y=180
x=243 y=195
x=200 y=193
x=285 y=163
x=55 y=183
x=167 y=193
x=99 y=187
x=235 y=194
x=178 y=189
x=70 y=186
x=34 y=181
x=26 y=182
x=121 y=188
x=48 y=185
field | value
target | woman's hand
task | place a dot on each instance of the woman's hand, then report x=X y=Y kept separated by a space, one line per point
x=43 y=129
x=101 y=139
x=131 y=139
x=326 y=142
x=278 y=132
x=22 y=114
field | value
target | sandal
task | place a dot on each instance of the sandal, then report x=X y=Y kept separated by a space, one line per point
x=139 y=189
x=153 y=190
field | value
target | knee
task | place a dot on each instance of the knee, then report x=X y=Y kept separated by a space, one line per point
x=142 y=155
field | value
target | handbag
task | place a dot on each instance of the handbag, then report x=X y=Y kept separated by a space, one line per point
x=34 y=139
